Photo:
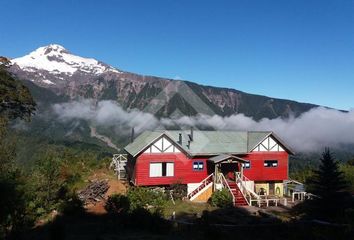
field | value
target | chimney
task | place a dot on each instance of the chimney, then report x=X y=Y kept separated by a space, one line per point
x=132 y=136
x=191 y=135
x=180 y=138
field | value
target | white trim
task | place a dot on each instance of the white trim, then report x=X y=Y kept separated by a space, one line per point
x=154 y=149
x=158 y=144
x=162 y=145
x=269 y=144
x=166 y=144
x=201 y=191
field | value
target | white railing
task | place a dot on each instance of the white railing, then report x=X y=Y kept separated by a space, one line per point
x=243 y=179
x=226 y=185
x=201 y=186
x=243 y=190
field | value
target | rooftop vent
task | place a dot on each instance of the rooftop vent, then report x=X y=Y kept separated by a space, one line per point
x=132 y=136
x=180 y=139
x=191 y=136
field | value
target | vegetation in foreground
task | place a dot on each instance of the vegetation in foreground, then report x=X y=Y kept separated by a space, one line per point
x=332 y=201
x=49 y=186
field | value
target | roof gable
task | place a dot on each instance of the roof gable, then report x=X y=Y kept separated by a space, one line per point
x=142 y=142
x=162 y=145
x=269 y=143
x=204 y=142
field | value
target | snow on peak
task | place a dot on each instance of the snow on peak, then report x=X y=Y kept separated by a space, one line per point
x=55 y=59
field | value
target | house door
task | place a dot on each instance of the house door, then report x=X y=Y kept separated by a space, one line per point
x=229 y=169
x=272 y=188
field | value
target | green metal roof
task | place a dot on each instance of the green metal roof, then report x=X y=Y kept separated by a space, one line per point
x=255 y=138
x=204 y=142
x=142 y=142
x=212 y=142
x=224 y=157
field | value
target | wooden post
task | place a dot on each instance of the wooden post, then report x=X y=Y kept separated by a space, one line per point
x=215 y=177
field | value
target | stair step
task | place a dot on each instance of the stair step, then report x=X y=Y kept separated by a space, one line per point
x=238 y=196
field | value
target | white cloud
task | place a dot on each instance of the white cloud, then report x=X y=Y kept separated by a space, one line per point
x=312 y=130
x=105 y=113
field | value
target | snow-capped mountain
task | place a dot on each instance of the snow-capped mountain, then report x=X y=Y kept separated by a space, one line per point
x=56 y=60
x=74 y=77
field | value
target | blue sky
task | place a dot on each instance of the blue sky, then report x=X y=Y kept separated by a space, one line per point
x=295 y=49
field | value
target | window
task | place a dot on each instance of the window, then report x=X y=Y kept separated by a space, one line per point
x=198 y=166
x=246 y=165
x=162 y=169
x=271 y=163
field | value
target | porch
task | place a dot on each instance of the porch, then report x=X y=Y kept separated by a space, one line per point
x=226 y=172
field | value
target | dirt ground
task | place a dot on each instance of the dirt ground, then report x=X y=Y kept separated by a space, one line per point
x=115 y=186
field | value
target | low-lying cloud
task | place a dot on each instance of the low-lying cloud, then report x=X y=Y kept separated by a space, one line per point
x=311 y=131
x=104 y=113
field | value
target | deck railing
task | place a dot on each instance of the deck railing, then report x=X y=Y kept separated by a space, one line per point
x=248 y=193
x=245 y=193
x=242 y=179
x=201 y=185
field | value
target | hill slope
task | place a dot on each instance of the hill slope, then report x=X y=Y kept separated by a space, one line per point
x=55 y=68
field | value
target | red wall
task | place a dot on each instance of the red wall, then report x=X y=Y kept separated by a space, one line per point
x=183 y=168
x=183 y=171
x=258 y=172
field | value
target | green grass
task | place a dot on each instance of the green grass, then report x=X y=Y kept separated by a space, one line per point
x=186 y=209
x=283 y=216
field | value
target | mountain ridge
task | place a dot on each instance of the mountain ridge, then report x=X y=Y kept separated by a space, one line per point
x=80 y=77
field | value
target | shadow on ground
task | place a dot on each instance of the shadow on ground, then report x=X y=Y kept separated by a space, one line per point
x=232 y=223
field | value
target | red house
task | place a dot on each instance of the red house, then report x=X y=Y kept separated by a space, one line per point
x=246 y=163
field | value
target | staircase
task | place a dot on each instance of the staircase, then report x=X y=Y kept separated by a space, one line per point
x=238 y=196
x=201 y=187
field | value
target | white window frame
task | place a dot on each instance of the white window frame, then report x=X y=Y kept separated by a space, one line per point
x=156 y=169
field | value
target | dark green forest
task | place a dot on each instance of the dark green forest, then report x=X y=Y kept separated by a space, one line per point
x=37 y=174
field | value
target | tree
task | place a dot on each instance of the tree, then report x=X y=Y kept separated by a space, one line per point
x=351 y=162
x=329 y=186
x=15 y=99
x=46 y=176
x=15 y=102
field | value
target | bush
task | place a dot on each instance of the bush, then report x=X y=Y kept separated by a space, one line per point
x=142 y=218
x=140 y=197
x=179 y=190
x=71 y=205
x=221 y=199
x=117 y=203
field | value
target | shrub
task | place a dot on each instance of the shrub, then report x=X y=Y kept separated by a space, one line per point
x=117 y=203
x=153 y=222
x=221 y=199
x=71 y=205
x=140 y=197
x=179 y=190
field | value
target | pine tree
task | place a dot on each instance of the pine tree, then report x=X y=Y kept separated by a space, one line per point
x=329 y=186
